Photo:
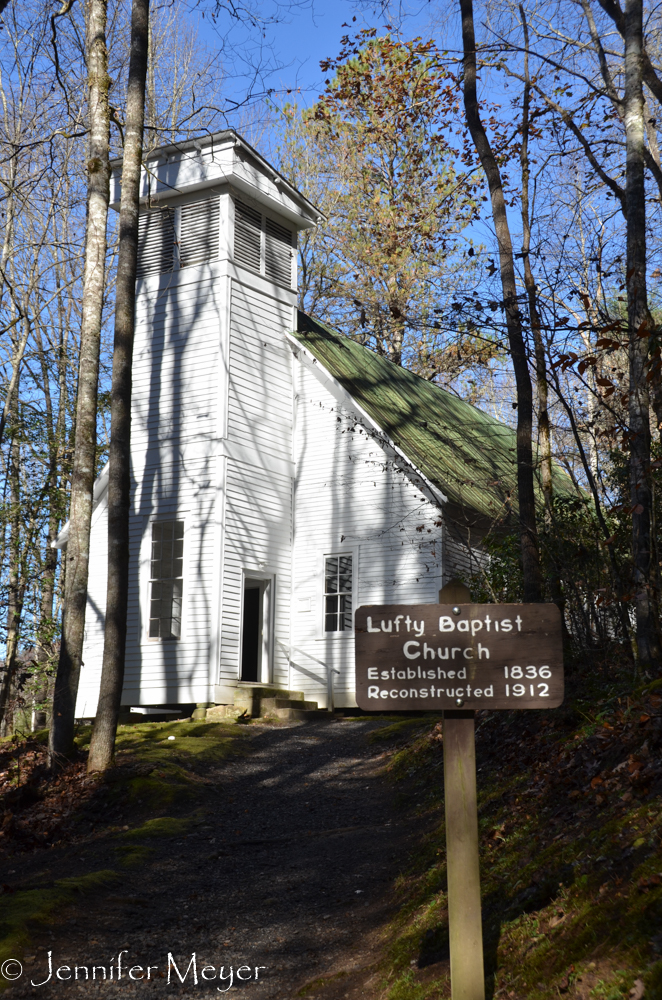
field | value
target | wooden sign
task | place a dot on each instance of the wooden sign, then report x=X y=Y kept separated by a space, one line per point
x=470 y=656
x=459 y=657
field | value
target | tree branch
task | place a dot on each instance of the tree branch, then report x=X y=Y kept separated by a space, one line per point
x=569 y=122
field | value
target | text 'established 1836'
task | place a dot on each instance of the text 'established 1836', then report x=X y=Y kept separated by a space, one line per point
x=471 y=656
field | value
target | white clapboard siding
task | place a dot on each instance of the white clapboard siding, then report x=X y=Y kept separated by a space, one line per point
x=198 y=232
x=175 y=370
x=174 y=671
x=174 y=410
x=350 y=496
x=247 y=236
x=462 y=559
x=88 y=689
x=278 y=253
x=260 y=383
x=156 y=242
x=258 y=539
x=258 y=508
x=212 y=417
x=174 y=457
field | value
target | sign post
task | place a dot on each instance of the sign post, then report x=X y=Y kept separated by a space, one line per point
x=459 y=658
x=465 y=926
x=465 y=929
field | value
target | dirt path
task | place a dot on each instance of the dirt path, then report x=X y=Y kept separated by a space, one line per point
x=289 y=871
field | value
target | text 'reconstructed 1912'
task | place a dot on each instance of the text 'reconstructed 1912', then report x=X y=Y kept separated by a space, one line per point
x=471 y=656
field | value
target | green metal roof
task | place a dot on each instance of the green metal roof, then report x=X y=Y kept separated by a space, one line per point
x=467 y=454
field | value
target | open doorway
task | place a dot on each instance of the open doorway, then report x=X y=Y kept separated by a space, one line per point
x=255 y=631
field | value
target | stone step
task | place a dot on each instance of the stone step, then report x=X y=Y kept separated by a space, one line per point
x=268 y=705
x=260 y=691
x=263 y=701
x=292 y=714
x=286 y=712
x=249 y=697
x=220 y=712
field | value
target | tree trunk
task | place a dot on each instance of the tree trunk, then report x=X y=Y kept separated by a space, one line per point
x=151 y=138
x=639 y=329
x=542 y=391
x=48 y=572
x=544 y=435
x=8 y=236
x=102 y=745
x=525 y=477
x=44 y=631
x=15 y=591
x=61 y=740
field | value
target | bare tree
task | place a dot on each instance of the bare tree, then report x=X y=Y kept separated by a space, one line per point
x=599 y=82
x=84 y=463
x=525 y=472
x=639 y=329
x=544 y=436
x=102 y=745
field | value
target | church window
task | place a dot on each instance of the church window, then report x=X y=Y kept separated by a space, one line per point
x=263 y=245
x=198 y=236
x=278 y=253
x=156 y=242
x=338 y=593
x=247 y=236
x=166 y=580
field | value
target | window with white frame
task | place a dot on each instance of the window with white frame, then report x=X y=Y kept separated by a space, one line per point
x=338 y=594
x=198 y=225
x=156 y=242
x=198 y=231
x=166 y=580
x=262 y=244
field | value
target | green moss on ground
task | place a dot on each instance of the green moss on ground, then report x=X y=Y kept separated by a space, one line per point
x=119 y=813
x=24 y=908
x=160 y=826
x=400 y=728
x=160 y=763
x=570 y=818
x=133 y=854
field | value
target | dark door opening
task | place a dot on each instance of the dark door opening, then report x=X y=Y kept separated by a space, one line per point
x=251 y=633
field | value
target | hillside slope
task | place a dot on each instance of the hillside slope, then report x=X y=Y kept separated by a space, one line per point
x=571 y=862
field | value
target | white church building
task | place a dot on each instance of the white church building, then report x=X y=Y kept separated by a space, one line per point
x=283 y=474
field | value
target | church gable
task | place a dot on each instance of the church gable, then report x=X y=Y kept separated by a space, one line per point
x=466 y=454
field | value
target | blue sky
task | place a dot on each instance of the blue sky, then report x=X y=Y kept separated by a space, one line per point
x=290 y=50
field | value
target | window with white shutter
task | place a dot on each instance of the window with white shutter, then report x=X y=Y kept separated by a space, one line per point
x=156 y=242
x=278 y=253
x=264 y=246
x=247 y=236
x=198 y=235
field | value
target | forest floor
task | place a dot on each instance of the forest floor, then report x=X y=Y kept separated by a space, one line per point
x=309 y=859
x=268 y=846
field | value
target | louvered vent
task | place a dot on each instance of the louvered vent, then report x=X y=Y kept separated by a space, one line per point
x=198 y=238
x=278 y=253
x=247 y=236
x=156 y=241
